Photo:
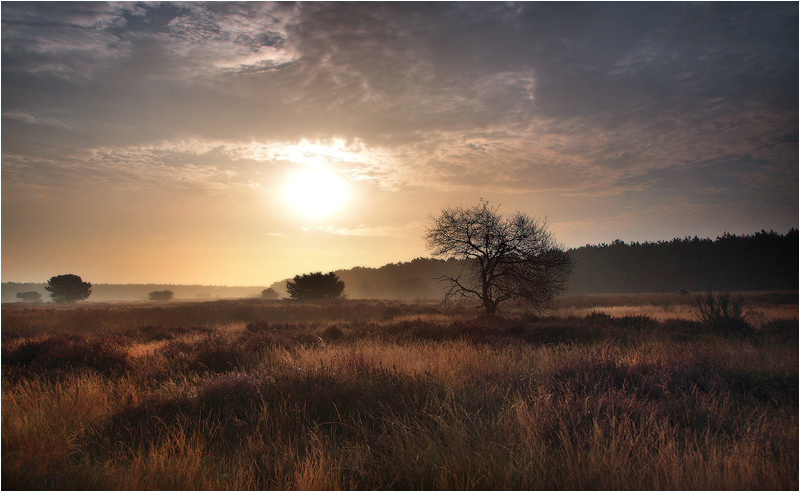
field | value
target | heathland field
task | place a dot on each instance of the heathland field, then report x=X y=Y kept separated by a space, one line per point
x=606 y=392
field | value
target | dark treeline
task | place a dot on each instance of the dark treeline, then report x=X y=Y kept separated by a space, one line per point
x=761 y=261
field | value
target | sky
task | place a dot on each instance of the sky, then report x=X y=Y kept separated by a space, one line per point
x=243 y=143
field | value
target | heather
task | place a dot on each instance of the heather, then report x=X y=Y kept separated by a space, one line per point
x=603 y=393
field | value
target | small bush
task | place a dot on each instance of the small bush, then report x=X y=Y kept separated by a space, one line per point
x=161 y=295
x=269 y=293
x=723 y=314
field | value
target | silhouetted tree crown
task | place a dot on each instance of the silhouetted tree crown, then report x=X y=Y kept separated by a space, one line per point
x=315 y=286
x=269 y=293
x=30 y=296
x=68 y=288
x=161 y=295
x=502 y=257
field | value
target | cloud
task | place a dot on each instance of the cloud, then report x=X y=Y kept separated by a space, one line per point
x=72 y=41
x=405 y=231
x=510 y=98
x=243 y=38
x=34 y=119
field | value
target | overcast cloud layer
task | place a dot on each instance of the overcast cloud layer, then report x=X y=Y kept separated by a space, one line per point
x=150 y=140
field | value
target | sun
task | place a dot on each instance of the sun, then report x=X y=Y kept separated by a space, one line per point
x=315 y=192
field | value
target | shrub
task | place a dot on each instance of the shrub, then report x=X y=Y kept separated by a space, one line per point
x=269 y=293
x=30 y=296
x=161 y=295
x=315 y=286
x=723 y=314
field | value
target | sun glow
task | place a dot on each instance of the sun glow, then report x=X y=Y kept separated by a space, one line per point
x=315 y=192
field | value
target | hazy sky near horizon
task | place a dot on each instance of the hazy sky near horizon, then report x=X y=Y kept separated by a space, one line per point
x=239 y=144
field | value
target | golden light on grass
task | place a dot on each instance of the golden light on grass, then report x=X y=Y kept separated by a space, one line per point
x=352 y=395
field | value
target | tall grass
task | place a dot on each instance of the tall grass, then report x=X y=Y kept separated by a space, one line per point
x=395 y=396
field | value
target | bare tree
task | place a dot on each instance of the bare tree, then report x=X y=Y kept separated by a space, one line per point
x=502 y=257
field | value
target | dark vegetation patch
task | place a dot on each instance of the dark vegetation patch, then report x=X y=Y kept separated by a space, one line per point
x=59 y=353
x=157 y=333
x=272 y=326
x=212 y=353
x=692 y=394
x=292 y=401
x=253 y=348
x=394 y=310
x=781 y=330
x=332 y=334
x=771 y=298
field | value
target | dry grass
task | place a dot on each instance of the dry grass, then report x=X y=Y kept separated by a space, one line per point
x=761 y=307
x=394 y=396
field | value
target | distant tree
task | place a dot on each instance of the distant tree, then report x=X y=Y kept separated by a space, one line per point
x=315 y=286
x=269 y=293
x=30 y=296
x=161 y=295
x=68 y=288
x=502 y=258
